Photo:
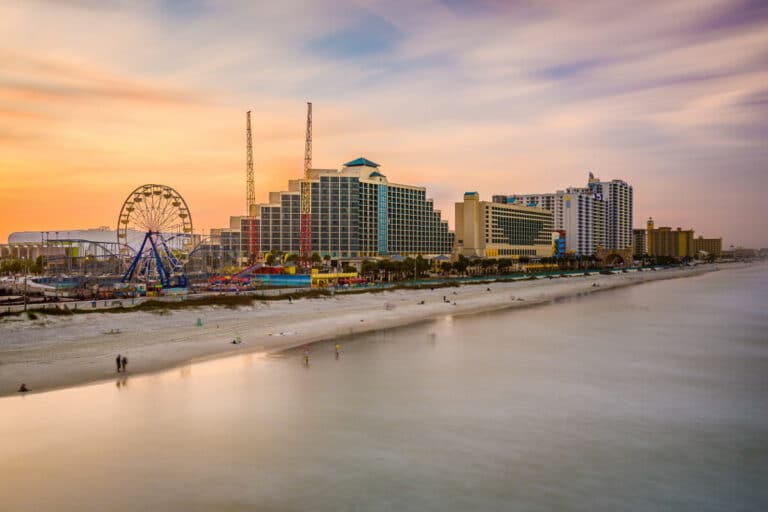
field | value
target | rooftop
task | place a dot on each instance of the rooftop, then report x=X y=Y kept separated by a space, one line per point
x=361 y=162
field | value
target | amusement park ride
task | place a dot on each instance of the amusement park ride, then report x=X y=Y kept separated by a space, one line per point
x=154 y=229
x=163 y=222
x=156 y=248
x=251 y=226
x=305 y=233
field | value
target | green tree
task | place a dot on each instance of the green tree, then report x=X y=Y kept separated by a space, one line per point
x=422 y=265
x=370 y=268
x=14 y=265
x=488 y=264
x=407 y=268
x=386 y=267
x=37 y=268
x=461 y=264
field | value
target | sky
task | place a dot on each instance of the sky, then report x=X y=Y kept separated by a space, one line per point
x=500 y=97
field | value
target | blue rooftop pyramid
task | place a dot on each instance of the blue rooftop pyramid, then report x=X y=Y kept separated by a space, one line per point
x=360 y=162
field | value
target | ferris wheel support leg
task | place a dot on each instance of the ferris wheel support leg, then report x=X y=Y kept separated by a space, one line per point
x=132 y=268
x=165 y=278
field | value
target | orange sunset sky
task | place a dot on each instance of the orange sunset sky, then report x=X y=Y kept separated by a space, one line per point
x=97 y=98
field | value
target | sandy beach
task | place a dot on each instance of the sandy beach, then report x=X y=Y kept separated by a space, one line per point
x=61 y=351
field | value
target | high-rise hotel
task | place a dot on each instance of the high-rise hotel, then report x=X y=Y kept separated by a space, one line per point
x=492 y=230
x=596 y=216
x=356 y=213
x=618 y=199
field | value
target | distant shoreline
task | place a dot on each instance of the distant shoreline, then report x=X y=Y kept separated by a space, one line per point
x=69 y=350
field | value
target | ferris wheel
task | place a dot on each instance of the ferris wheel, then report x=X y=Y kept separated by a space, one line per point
x=156 y=226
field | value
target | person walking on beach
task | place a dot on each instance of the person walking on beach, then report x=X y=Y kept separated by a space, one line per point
x=119 y=363
x=124 y=362
x=338 y=348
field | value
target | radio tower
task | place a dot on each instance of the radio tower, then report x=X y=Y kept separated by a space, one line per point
x=251 y=229
x=305 y=235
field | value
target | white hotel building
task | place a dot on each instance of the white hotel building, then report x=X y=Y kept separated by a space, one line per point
x=618 y=198
x=599 y=215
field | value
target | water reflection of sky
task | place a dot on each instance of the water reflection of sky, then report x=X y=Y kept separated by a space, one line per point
x=650 y=397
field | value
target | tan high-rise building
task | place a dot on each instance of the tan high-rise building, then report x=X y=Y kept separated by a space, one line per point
x=668 y=242
x=649 y=237
x=495 y=230
x=712 y=246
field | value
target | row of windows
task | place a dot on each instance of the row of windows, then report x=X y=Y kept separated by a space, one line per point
x=341 y=204
x=517 y=252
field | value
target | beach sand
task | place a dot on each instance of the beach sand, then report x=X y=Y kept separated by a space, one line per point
x=61 y=351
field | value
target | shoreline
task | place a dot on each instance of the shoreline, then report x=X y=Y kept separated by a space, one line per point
x=67 y=351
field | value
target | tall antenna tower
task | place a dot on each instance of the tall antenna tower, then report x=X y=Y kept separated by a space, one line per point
x=308 y=142
x=251 y=229
x=250 y=190
x=305 y=235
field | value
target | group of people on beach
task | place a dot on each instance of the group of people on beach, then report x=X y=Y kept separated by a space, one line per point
x=122 y=363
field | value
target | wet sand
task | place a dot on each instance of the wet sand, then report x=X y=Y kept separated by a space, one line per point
x=62 y=351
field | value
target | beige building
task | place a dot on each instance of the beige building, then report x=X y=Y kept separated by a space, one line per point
x=496 y=230
x=664 y=241
x=712 y=246
x=31 y=251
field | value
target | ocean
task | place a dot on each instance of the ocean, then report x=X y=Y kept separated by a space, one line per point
x=645 y=398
